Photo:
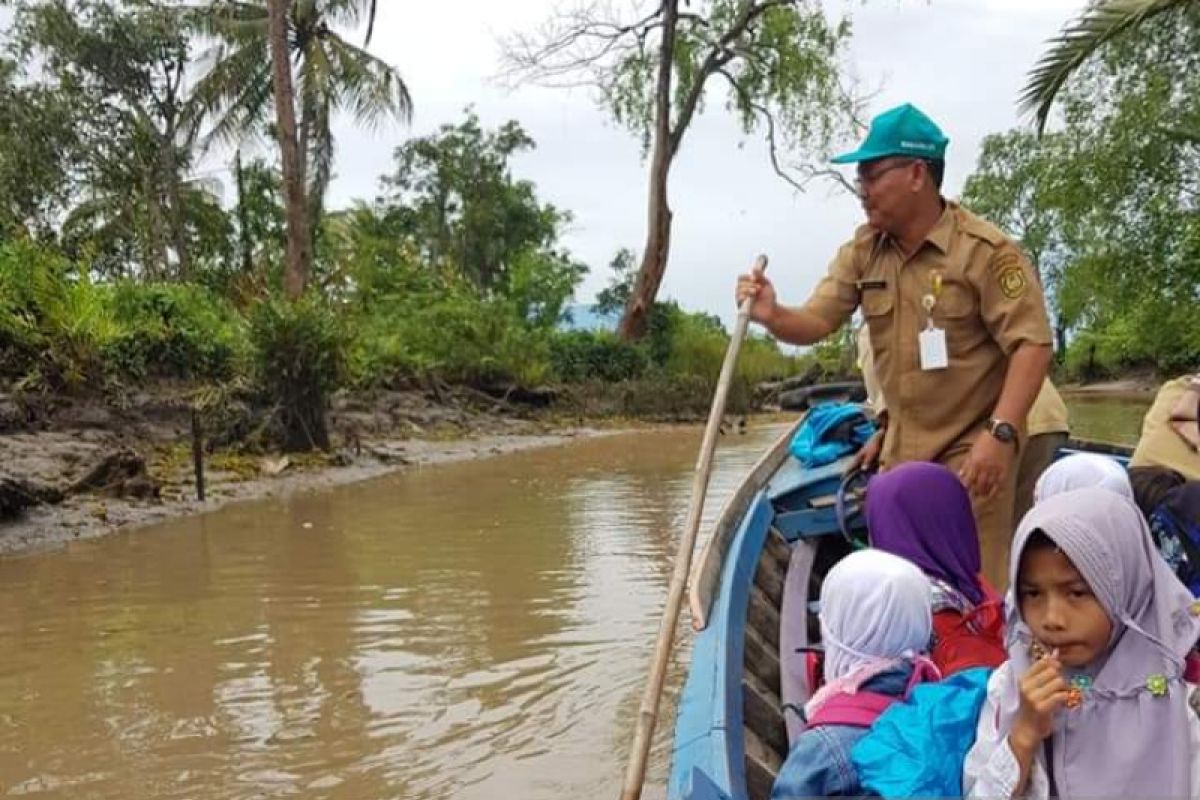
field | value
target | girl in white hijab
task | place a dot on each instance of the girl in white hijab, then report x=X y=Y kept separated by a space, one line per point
x=1083 y=471
x=875 y=627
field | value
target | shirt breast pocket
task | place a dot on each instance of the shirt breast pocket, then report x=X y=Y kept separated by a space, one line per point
x=876 y=302
x=956 y=301
x=957 y=310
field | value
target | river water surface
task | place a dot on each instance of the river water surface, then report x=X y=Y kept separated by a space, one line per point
x=476 y=630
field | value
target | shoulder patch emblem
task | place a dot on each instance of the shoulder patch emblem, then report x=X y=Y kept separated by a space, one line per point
x=1012 y=282
x=1010 y=276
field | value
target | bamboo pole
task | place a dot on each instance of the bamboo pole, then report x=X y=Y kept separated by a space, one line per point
x=635 y=770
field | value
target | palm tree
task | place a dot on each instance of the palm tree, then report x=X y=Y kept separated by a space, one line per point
x=299 y=231
x=243 y=91
x=1102 y=22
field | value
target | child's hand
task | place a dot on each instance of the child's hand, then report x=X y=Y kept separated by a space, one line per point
x=1043 y=692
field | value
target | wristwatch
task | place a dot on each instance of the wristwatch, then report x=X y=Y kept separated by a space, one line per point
x=1004 y=431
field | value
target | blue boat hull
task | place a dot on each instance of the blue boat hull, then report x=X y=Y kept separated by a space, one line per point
x=732 y=725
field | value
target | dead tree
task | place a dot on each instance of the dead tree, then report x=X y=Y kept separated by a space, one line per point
x=778 y=61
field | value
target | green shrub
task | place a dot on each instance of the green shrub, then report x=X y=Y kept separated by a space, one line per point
x=56 y=323
x=579 y=356
x=300 y=360
x=761 y=360
x=1149 y=334
x=834 y=355
x=176 y=330
x=696 y=347
x=453 y=334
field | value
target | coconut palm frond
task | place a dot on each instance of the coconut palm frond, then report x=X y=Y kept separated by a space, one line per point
x=370 y=23
x=96 y=214
x=318 y=87
x=236 y=92
x=320 y=159
x=369 y=88
x=226 y=20
x=345 y=13
x=331 y=75
x=1078 y=42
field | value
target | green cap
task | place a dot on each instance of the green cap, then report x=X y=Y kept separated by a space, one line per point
x=901 y=131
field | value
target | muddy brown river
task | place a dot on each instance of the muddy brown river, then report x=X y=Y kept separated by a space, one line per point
x=476 y=630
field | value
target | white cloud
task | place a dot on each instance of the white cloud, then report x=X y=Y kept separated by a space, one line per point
x=962 y=61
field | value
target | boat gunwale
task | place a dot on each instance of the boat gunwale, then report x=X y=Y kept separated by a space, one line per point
x=705 y=578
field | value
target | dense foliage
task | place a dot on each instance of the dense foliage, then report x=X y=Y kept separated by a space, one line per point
x=119 y=263
x=1108 y=202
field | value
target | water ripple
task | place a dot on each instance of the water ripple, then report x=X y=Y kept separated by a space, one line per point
x=472 y=631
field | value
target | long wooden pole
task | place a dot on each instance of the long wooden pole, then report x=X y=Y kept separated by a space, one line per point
x=635 y=770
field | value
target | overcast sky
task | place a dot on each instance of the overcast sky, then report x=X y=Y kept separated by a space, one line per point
x=961 y=61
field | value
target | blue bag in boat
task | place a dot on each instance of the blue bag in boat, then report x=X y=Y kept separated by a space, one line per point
x=830 y=431
x=1175 y=527
x=916 y=748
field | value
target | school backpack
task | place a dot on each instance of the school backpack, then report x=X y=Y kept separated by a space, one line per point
x=863 y=707
x=971 y=638
x=1175 y=527
x=917 y=748
x=962 y=642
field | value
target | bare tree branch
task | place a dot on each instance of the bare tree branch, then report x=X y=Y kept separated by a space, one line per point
x=829 y=173
x=586 y=38
x=767 y=117
x=718 y=56
x=657 y=94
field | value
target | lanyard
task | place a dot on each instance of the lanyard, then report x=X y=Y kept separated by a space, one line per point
x=929 y=300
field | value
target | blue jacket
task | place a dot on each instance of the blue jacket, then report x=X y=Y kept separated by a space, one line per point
x=819 y=765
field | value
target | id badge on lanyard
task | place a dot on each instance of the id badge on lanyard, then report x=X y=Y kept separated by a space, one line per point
x=932 y=341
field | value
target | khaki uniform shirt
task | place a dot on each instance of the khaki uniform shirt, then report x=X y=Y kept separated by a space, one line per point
x=1048 y=414
x=990 y=302
x=866 y=365
x=1160 y=445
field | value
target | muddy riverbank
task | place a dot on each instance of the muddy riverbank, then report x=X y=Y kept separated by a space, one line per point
x=86 y=468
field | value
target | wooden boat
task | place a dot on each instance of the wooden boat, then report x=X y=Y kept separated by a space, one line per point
x=751 y=597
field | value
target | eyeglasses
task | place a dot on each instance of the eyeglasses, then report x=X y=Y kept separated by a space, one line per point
x=863 y=180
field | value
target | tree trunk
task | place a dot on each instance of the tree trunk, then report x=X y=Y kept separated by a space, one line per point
x=178 y=224
x=313 y=205
x=301 y=397
x=173 y=116
x=158 y=233
x=658 y=233
x=245 y=240
x=295 y=276
x=303 y=413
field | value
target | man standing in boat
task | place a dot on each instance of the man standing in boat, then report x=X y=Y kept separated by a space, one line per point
x=956 y=316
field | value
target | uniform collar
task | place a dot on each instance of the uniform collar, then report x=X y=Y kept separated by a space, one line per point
x=940 y=235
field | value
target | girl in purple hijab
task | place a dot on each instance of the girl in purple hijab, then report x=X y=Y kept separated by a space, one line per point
x=1092 y=701
x=921 y=512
